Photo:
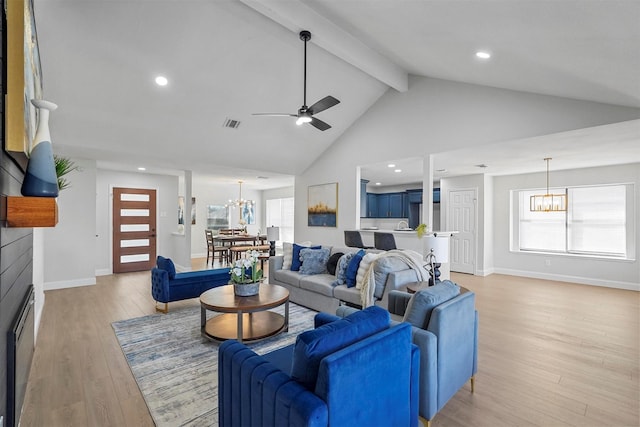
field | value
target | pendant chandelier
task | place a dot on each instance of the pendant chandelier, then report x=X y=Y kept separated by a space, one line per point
x=240 y=203
x=548 y=202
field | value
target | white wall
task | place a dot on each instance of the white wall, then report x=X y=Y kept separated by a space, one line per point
x=436 y=116
x=69 y=247
x=597 y=271
x=219 y=193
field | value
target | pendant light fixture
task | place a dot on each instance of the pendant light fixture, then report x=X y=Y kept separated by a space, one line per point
x=548 y=202
x=239 y=203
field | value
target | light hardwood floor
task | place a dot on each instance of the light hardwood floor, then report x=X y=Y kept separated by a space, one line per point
x=550 y=354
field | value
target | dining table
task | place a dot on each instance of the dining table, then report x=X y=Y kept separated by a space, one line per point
x=244 y=240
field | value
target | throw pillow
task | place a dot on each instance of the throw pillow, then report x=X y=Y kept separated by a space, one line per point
x=332 y=263
x=362 y=268
x=295 y=256
x=314 y=261
x=383 y=267
x=422 y=303
x=341 y=270
x=287 y=254
x=312 y=346
x=167 y=265
x=352 y=268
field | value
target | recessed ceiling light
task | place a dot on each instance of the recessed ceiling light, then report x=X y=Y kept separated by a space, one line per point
x=378 y=183
x=142 y=169
x=161 y=81
x=391 y=165
x=398 y=170
x=483 y=55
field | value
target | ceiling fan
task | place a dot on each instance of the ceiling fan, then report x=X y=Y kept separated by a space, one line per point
x=305 y=114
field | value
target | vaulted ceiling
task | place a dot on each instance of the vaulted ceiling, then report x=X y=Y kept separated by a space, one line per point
x=227 y=59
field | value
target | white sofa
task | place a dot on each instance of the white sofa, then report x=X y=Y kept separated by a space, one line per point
x=318 y=292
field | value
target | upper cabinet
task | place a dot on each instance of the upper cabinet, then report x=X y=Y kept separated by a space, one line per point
x=387 y=205
x=394 y=205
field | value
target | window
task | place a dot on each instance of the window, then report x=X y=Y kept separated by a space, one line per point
x=595 y=222
x=280 y=214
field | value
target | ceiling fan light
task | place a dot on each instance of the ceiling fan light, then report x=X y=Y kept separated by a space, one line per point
x=303 y=119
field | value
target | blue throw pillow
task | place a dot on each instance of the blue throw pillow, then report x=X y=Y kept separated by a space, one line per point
x=312 y=346
x=422 y=303
x=314 y=261
x=341 y=269
x=352 y=268
x=295 y=257
x=167 y=265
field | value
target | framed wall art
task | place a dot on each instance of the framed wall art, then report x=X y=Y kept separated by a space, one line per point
x=24 y=79
x=322 y=205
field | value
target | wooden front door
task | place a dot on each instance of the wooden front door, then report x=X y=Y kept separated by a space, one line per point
x=134 y=229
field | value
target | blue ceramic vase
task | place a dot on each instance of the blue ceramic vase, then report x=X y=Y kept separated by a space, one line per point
x=40 y=179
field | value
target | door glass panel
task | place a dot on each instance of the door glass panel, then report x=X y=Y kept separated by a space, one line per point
x=134 y=258
x=134 y=243
x=134 y=212
x=134 y=197
x=134 y=227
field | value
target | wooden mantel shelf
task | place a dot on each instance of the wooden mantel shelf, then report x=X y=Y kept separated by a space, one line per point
x=29 y=211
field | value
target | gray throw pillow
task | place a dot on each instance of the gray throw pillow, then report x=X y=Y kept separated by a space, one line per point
x=314 y=261
x=422 y=303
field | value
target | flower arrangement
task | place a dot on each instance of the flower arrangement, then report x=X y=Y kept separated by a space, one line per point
x=246 y=270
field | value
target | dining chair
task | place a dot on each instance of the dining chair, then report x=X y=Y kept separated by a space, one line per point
x=384 y=241
x=212 y=249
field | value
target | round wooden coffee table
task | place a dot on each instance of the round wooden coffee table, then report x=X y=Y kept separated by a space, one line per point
x=244 y=318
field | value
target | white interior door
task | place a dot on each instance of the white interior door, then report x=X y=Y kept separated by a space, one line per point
x=462 y=213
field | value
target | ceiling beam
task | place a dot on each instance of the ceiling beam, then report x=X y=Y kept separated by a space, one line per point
x=296 y=16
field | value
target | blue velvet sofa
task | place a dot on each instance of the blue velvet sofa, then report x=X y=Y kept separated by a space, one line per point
x=168 y=286
x=445 y=329
x=345 y=372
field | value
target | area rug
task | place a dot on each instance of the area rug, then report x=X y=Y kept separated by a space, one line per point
x=177 y=370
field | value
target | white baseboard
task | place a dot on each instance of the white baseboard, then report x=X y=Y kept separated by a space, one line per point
x=571 y=279
x=202 y=255
x=103 y=272
x=49 y=286
x=486 y=272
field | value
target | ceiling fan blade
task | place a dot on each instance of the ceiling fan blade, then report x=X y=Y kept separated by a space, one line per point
x=323 y=104
x=319 y=124
x=275 y=114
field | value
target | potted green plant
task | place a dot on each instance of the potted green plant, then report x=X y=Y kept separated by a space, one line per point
x=421 y=230
x=64 y=165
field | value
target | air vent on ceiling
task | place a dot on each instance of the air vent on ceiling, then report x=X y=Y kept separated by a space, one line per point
x=230 y=123
x=262 y=177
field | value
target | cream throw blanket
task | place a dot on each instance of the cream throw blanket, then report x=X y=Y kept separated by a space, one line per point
x=412 y=258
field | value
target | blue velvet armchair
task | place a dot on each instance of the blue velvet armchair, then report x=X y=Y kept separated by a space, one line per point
x=445 y=328
x=168 y=286
x=352 y=371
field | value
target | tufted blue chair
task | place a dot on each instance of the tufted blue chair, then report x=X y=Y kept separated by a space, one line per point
x=346 y=372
